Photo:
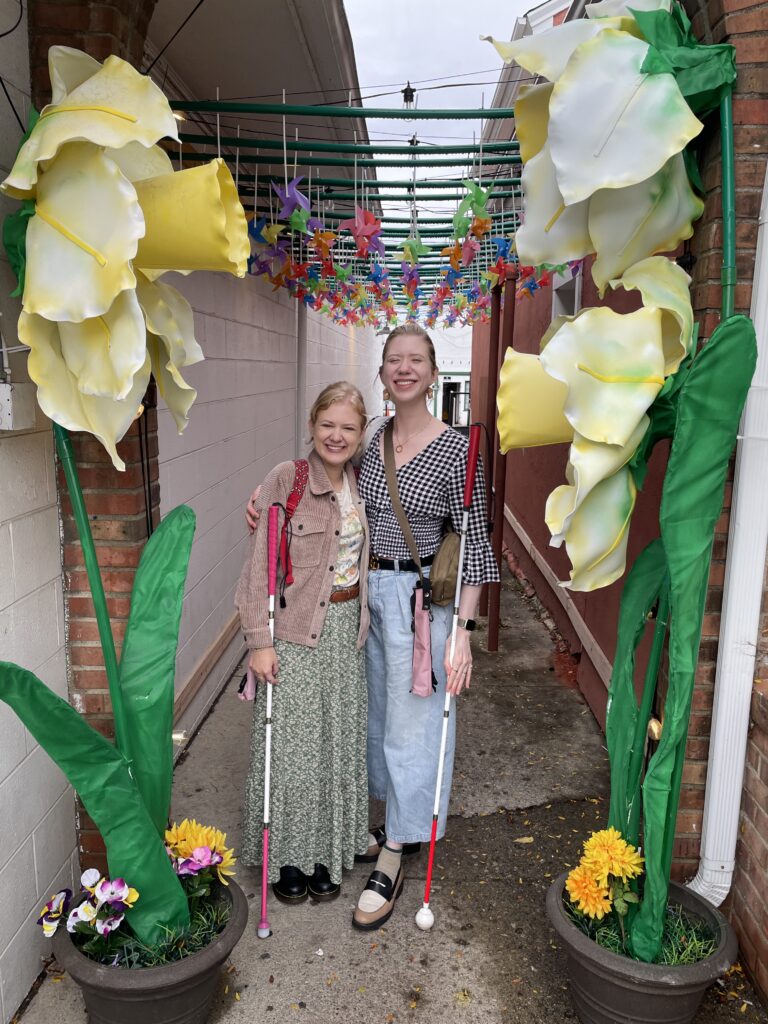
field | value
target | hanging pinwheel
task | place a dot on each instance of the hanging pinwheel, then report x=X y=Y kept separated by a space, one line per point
x=290 y=197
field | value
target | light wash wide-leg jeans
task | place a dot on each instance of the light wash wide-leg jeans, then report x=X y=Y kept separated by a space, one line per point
x=403 y=730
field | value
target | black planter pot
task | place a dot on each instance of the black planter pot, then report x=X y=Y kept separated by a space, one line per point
x=611 y=989
x=178 y=993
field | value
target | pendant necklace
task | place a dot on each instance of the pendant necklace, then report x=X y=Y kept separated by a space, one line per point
x=399 y=447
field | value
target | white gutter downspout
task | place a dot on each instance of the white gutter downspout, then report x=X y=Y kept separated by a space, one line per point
x=742 y=599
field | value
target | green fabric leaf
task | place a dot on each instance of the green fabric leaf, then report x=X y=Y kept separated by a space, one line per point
x=16 y=223
x=148 y=662
x=709 y=410
x=641 y=589
x=702 y=72
x=103 y=779
x=15 y=241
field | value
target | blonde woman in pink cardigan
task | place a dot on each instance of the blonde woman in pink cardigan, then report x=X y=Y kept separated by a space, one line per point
x=319 y=789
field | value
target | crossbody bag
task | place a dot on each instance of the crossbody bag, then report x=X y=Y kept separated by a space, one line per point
x=423 y=681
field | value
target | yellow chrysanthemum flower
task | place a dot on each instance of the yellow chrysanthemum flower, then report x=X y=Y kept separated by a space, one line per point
x=590 y=897
x=607 y=853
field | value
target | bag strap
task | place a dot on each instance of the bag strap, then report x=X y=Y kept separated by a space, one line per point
x=300 y=478
x=394 y=496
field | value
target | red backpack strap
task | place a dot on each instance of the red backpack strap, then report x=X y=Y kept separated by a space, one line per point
x=300 y=478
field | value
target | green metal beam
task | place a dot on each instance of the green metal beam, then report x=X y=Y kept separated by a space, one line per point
x=374 y=183
x=387 y=198
x=328 y=110
x=241 y=142
x=338 y=161
x=426 y=221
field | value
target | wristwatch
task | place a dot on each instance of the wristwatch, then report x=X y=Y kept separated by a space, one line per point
x=468 y=624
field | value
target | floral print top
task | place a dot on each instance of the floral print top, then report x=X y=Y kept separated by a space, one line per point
x=350 y=541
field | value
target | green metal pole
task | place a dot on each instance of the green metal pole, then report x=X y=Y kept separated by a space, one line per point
x=641 y=727
x=64 y=447
x=393 y=198
x=339 y=161
x=328 y=110
x=241 y=142
x=264 y=188
x=728 y=272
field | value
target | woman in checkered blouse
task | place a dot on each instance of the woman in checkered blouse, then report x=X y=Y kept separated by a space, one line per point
x=404 y=730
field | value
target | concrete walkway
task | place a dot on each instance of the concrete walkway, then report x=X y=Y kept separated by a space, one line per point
x=531 y=782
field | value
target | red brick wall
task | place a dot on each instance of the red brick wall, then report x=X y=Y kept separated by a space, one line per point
x=116 y=502
x=745 y=25
x=113 y=27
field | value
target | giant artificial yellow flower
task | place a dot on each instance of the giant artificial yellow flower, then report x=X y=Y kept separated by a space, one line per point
x=613 y=183
x=590 y=897
x=110 y=217
x=596 y=377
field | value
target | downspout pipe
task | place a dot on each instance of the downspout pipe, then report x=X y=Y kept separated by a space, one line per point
x=742 y=599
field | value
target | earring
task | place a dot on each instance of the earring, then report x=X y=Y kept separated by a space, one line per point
x=385 y=395
x=430 y=393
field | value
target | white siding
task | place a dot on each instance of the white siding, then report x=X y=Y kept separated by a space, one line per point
x=36 y=804
x=242 y=424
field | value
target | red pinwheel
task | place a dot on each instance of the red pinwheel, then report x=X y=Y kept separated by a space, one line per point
x=365 y=229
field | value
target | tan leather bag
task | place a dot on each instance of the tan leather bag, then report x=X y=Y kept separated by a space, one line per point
x=445 y=569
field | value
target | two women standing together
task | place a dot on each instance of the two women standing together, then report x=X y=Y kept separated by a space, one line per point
x=353 y=579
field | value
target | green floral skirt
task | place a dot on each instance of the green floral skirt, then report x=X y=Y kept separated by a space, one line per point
x=319 y=784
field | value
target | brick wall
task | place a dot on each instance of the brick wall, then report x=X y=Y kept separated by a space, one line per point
x=745 y=25
x=100 y=28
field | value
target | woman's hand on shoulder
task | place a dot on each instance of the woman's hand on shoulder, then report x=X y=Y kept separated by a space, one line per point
x=252 y=513
x=264 y=665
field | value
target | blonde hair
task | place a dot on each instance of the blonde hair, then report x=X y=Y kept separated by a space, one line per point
x=341 y=391
x=411 y=328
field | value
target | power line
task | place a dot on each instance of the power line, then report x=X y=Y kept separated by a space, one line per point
x=359 y=88
x=16 y=25
x=10 y=101
x=194 y=10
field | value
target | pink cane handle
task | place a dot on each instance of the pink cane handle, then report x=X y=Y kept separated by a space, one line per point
x=274 y=511
x=474 y=450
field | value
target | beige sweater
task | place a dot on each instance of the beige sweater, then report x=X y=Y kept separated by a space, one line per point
x=316 y=525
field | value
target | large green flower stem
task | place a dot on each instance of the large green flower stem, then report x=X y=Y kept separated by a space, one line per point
x=64 y=447
x=125 y=786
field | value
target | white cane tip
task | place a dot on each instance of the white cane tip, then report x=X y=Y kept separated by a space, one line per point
x=425 y=919
x=263 y=933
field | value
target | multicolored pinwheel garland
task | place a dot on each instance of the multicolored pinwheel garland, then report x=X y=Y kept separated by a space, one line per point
x=352 y=285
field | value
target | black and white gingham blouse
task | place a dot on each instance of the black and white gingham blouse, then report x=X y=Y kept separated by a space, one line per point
x=431 y=487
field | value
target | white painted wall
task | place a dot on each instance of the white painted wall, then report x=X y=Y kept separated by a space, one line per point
x=242 y=424
x=36 y=805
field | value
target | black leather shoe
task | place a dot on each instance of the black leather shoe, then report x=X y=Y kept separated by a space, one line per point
x=292 y=887
x=320 y=885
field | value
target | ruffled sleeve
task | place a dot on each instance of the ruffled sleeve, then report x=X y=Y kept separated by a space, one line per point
x=479 y=564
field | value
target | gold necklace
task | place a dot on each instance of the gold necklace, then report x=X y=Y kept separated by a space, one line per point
x=400 y=445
